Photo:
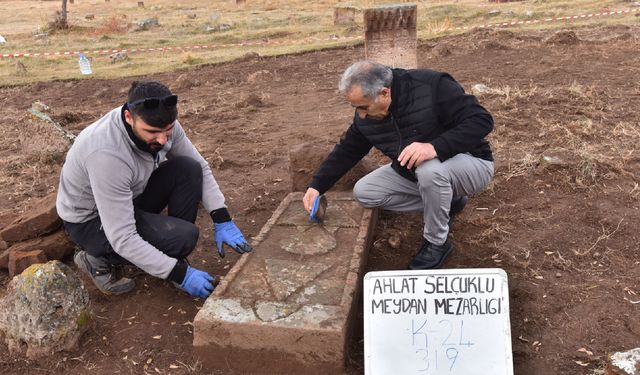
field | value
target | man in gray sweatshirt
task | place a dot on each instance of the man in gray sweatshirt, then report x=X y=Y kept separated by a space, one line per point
x=119 y=175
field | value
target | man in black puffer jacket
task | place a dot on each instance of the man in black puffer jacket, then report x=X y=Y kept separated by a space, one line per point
x=434 y=135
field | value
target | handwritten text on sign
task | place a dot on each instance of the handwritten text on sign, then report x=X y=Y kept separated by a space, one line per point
x=437 y=322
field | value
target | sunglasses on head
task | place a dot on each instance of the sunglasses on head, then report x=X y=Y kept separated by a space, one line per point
x=154 y=102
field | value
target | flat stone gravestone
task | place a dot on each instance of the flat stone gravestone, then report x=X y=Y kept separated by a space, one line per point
x=390 y=35
x=286 y=307
x=436 y=322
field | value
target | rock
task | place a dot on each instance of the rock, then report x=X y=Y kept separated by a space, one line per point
x=192 y=16
x=250 y=56
x=56 y=246
x=41 y=36
x=118 y=56
x=41 y=219
x=2 y=40
x=44 y=311
x=563 y=37
x=394 y=241
x=40 y=106
x=184 y=82
x=494 y=12
x=558 y=159
x=260 y=76
x=441 y=50
x=148 y=23
x=480 y=89
x=252 y=100
x=624 y=363
x=89 y=16
x=21 y=260
x=305 y=158
x=21 y=69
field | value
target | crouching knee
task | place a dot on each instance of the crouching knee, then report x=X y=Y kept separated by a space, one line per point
x=366 y=195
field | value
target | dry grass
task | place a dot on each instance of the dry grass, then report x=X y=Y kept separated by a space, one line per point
x=112 y=25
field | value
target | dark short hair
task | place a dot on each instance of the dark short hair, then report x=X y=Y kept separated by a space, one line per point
x=160 y=116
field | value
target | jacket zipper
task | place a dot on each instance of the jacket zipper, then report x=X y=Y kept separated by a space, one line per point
x=395 y=125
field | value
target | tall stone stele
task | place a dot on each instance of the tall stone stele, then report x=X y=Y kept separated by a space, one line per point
x=390 y=35
x=44 y=310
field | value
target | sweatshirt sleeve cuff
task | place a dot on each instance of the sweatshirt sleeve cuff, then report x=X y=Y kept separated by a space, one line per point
x=178 y=272
x=221 y=215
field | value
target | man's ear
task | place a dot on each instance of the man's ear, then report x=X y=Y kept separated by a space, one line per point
x=128 y=117
x=385 y=92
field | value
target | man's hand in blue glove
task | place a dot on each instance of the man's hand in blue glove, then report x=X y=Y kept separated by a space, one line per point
x=198 y=283
x=229 y=234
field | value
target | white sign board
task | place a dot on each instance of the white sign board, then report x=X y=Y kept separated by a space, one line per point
x=433 y=322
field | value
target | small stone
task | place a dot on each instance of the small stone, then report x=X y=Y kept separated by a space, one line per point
x=192 y=16
x=89 y=16
x=480 y=89
x=2 y=40
x=558 y=274
x=494 y=12
x=118 y=56
x=40 y=106
x=394 y=241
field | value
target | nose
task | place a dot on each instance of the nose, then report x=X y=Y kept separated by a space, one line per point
x=361 y=113
x=162 y=138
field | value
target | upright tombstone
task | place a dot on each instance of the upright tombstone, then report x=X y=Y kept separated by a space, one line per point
x=288 y=307
x=344 y=15
x=390 y=35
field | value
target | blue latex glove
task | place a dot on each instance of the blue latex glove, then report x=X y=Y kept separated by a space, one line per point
x=229 y=234
x=197 y=283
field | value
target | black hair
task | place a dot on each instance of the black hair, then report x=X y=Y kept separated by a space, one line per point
x=159 y=117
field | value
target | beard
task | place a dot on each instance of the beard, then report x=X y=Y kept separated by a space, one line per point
x=155 y=146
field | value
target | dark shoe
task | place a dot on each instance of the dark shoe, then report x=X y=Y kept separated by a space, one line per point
x=431 y=256
x=457 y=205
x=101 y=274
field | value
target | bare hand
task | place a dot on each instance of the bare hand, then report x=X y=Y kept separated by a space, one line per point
x=309 y=197
x=414 y=154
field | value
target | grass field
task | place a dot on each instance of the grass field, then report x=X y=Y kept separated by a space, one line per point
x=280 y=27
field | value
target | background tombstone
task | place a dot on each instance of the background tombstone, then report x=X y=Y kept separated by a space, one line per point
x=390 y=35
x=344 y=15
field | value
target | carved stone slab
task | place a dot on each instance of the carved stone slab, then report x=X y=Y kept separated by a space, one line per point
x=286 y=307
x=390 y=35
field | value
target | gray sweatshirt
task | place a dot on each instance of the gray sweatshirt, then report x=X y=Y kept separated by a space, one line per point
x=102 y=174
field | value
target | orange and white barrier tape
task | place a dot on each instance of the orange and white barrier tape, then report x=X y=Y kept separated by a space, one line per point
x=308 y=40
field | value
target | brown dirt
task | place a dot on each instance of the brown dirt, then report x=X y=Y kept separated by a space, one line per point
x=566 y=233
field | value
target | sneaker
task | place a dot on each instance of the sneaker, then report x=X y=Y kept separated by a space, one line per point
x=457 y=205
x=431 y=256
x=100 y=272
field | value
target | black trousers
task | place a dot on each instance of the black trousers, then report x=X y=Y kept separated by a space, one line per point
x=177 y=185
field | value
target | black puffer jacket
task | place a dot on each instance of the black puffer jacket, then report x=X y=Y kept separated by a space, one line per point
x=426 y=106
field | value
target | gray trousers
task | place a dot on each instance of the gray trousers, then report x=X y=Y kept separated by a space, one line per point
x=438 y=182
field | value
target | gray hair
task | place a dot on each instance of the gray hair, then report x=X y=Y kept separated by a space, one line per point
x=370 y=76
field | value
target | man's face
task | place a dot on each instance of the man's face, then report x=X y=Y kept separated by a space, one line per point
x=377 y=108
x=153 y=136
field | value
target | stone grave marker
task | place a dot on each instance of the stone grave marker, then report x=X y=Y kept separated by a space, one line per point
x=390 y=35
x=286 y=308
